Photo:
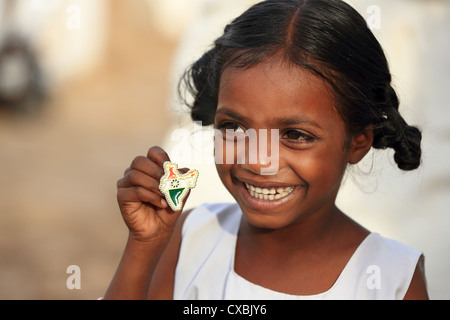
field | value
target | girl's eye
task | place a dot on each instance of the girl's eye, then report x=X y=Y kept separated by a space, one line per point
x=231 y=126
x=298 y=136
x=231 y=130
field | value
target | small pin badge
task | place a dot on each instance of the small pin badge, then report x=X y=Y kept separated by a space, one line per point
x=175 y=185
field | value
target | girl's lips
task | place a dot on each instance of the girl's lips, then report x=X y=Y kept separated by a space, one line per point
x=270 y=193
x=268 y=197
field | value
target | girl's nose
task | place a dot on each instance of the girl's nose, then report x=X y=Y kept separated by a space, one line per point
x=262 y=158
x=252 y=150
x=254 y=168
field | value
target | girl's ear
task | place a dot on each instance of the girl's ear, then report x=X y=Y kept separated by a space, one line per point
x=360 y=145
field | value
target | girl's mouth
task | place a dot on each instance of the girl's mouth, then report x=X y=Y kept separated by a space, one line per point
x=268 y=204
x=267 y=196
x=269 y=193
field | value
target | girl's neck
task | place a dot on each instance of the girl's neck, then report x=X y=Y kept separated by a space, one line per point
x=310 y=233
x=295 y=259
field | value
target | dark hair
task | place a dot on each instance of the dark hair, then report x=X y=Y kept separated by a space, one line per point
x=330 y=39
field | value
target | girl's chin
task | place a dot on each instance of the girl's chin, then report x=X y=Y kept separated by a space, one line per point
x=265 y=222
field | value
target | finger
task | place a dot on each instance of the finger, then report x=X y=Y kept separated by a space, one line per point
x=158 y=155
x=183 y=170
x=140 y=194
x=146 y=166
x=138 y=178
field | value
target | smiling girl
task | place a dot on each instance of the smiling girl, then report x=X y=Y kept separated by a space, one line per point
x=312 y=71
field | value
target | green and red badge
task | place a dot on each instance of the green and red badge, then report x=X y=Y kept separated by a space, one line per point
x=175 y=185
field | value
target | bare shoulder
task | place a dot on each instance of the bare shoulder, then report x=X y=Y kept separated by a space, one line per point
x=418 y=287
x=161 y=285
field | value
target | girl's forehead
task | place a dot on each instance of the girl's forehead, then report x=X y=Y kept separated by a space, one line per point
x=275 y=87
x=274 y=74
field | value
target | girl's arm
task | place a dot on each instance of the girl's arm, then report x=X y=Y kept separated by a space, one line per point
x=152 y=227
x=136 y=269
x=162 y=283
x=148 y=270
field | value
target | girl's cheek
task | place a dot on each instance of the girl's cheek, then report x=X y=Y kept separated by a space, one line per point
x=223 y=162
x=315 y=167
x=224 y=150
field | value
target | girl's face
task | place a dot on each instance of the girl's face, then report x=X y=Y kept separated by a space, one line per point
x=312 y=143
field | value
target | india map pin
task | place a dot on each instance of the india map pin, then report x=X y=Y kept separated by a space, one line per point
x=175 y=186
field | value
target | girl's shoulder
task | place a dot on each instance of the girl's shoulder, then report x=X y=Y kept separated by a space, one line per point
x=383 y=266
x=383 y=250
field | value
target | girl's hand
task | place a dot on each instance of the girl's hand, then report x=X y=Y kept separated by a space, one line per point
x=143 y=207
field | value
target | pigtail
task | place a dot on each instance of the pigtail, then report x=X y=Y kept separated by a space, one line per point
x=393 y=132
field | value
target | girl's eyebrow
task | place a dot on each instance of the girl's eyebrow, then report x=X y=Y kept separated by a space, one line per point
x=299 y=120
x=230 y=113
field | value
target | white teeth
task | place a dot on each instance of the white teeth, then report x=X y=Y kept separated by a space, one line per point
x=268 y=194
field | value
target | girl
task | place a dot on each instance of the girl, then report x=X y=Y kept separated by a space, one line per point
x=314 y=72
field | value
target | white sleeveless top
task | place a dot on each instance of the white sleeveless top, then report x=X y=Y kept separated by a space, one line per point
x=380 y=268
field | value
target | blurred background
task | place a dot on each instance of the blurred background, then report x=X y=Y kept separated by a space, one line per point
x=85 y=86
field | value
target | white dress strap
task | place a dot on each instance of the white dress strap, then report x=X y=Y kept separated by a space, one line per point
x=380 y=269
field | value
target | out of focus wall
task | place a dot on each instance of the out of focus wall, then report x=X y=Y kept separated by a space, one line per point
x=103 y=81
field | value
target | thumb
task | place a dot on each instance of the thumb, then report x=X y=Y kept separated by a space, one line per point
x=183 y=170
